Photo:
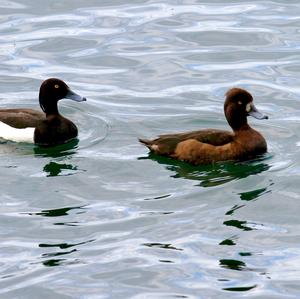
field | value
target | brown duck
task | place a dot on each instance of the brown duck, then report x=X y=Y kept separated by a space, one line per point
x=211 y=145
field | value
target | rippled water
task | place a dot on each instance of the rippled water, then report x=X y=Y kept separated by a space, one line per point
x=100 y=218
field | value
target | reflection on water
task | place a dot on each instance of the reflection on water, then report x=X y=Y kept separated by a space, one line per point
x=54 y=169
x=53 y=262
x=254 y=194
x=62 y=150
x=58 y=212
x=161 y=245
x=60 y=262
x=240 y=289
x=233 y=209
x=213 y=175
x=233 y=264
x=56 y=262
x=58 y=253
x=238 y=224
x=64 y=245
x=227 y=242
x=148 y=66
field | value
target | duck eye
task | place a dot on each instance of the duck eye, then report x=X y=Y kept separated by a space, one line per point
x=240 y=103
x=56 y=86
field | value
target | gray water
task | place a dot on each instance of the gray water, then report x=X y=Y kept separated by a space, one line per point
x=100 y=218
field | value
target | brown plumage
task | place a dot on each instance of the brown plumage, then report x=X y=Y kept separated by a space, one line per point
x=211 y=145
x=50 y=128
x=22 y=118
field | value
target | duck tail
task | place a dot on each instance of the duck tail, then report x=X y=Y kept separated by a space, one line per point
x=146 y=142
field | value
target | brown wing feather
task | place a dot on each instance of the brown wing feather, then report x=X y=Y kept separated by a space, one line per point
x=166 y=144
x=21 y=118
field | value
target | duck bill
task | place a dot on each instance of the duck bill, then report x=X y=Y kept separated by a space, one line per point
x=252 y=111
x=74 y=96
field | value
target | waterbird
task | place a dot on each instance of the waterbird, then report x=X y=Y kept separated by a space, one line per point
x=47 y=128
x=211 y=145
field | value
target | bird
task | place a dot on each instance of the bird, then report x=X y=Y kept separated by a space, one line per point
x=209 y=146
x=44 y=128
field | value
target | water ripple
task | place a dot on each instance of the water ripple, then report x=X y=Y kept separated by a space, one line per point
x=99 y=217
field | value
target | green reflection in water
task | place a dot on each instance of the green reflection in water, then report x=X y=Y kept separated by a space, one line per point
x=57 y=262
x=53 y=262
x=60 y=262
x=227 y=242
x=240 y=289
x=158 y=197
x=161 y=245
x=62 y=150
x=233 y=264
x=58 y=253
x=54 y=169
x=245 y=253
x=64 y=245
x=166 y=261
x=236 y=207
x=251 y=195
x=238 y=224
x=212 y=175
x=57 y=212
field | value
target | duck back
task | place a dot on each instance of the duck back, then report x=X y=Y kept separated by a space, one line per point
x=21 y=118
x=166 y=144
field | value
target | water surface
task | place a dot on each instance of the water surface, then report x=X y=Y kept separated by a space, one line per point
x=100 y=217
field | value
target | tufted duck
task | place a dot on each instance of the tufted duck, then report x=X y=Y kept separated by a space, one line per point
x=209 y=146
x=46 y=129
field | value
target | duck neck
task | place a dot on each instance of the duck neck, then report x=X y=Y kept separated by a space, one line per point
x=49 y=106
x=238 y=124
x=244 y=127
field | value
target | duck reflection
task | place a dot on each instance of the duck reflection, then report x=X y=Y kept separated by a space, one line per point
x=254 y=194
x=64 y=245
x=162 y=245
x=245 y=196
x=238 y=224
x=60 y=249
x=212 y=175
x=237 y=265
x=52 y=259
x=244 y=226
x=215 y=175
x=62 y=150
x=59 y=212
x=60 y=262
x=240 y=289
x=55 y=169
x=53 y=262
x=232 y=264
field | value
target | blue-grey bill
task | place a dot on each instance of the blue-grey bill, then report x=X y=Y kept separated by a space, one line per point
x=74 y=96
x=255 y=113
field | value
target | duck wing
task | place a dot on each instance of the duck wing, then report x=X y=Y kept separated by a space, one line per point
x=166 y=144
x=21 y=118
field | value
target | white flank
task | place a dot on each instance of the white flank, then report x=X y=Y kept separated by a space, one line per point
x=18 y=135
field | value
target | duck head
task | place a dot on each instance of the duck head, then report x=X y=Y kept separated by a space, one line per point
x=51 y=91
x=238 y=105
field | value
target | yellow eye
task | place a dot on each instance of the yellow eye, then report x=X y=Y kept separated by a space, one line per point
x=56 y=86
